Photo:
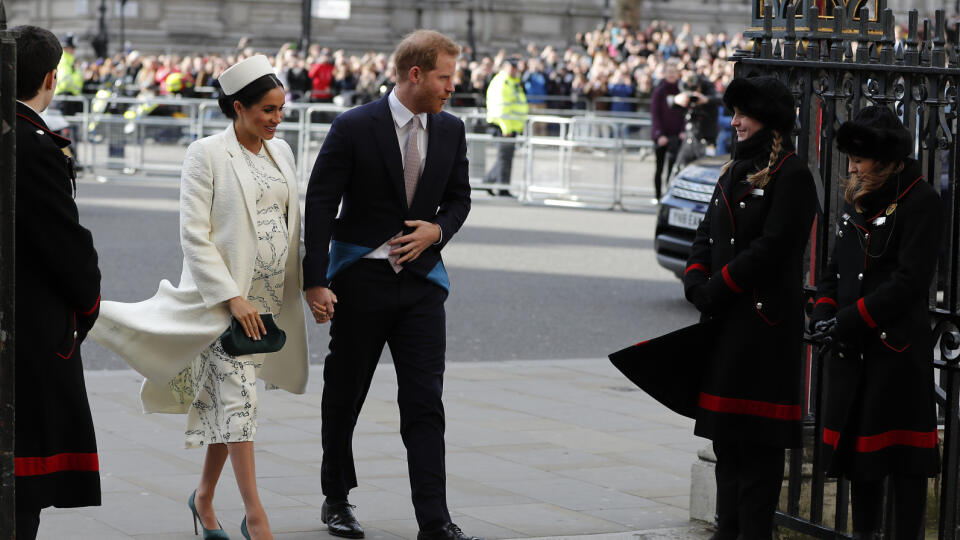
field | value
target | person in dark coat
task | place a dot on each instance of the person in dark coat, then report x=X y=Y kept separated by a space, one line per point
x=745 y=272
x=58 y=299
x=667 y=125
x=879 y=414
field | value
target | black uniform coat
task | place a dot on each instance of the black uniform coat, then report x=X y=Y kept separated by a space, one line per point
x=58 y=297
x=879 y=414
x=746 y=261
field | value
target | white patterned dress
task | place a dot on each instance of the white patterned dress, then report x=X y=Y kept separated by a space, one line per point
x=223 y=387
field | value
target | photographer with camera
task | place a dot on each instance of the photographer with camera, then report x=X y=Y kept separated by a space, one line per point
x=699 y=97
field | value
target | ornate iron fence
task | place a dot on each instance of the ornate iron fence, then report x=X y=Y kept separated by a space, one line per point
x=836 y=64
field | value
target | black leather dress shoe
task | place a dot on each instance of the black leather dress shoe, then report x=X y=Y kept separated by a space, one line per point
x=450 y=531
x=341 y=520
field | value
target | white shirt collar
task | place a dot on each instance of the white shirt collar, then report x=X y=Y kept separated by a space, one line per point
x=401 y=114
x=29 y=107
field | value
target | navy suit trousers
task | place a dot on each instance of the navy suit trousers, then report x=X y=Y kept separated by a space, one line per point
x=377 y=306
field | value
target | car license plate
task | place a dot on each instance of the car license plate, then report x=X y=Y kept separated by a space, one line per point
x=686 y=219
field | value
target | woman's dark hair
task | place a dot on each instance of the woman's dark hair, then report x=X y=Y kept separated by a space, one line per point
x=38 y=53
x=249 y=95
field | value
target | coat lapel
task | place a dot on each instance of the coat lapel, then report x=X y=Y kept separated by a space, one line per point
x=248 y=186
x=434 y=140
x=293 y=202
x=385 y=133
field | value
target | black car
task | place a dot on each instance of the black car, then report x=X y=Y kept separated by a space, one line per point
x=682 y=209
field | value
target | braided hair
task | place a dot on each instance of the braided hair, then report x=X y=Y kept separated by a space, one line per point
x=761 y=178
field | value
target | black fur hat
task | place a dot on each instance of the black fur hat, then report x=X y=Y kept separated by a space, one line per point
x=764 y=99
x=875 y=133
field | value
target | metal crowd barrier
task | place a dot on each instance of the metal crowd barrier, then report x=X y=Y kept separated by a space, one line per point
x=581 y=160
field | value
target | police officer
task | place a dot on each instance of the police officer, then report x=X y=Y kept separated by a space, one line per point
x=507 y=111
x=879 y=415
x=58 y=298
x=745 y=272
x=69 y=78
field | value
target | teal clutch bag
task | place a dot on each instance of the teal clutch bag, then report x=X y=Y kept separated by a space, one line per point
x=236 y=343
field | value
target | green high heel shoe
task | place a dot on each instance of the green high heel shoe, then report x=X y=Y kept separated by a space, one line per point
x=208 y=534
x=243 y=528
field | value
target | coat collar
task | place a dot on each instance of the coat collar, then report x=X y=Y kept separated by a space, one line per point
x=26 y=114
x=248 y=184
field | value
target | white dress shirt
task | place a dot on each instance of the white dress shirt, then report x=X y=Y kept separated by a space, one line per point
x=402 y=121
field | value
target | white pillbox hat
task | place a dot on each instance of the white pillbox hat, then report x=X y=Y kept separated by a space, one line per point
x=243 y=73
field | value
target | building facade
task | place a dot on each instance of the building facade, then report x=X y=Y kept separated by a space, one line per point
x=181 y=26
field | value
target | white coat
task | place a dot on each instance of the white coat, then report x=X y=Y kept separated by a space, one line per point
x=159 y=337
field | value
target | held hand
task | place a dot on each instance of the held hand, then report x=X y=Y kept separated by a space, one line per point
x=681 y=100
x=321 y=301
x=825 y=331
x=424 y=235
x=243 y=311
x=662 y=140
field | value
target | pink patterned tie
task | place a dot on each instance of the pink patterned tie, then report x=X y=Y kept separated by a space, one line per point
x=411 y=161
x=411 y=175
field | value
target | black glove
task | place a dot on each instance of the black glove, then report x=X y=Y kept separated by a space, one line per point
x=698 y=296
x=825 y=331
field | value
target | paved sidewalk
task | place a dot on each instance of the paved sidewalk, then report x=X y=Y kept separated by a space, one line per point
x=534 y=449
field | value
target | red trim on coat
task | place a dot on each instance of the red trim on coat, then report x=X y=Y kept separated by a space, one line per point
x=90 y=311
x=733 y=224
x=862 y=308
x=899 y=437
x=696 y=266
x=729 y=281
x=826 y=300
x=642 y=342
x=47 y=130
x=899 y=197
x=74 y=346
x=750 y=407
x=37 y=466
x=760 y=313
x=782 y=161
x=894 y=349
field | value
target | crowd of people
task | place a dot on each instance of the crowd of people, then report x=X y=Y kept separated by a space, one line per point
x=614 y=67
x=373 y=269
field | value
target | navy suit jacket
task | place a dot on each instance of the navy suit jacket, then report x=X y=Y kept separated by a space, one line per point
x=360 y=165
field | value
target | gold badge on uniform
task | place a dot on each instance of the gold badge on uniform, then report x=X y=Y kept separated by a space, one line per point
x=891 y=208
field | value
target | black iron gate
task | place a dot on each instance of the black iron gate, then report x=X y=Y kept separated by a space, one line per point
x=836 y=63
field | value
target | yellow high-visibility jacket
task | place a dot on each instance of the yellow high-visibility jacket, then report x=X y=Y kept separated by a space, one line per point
x=69 y=78
x=507 y=103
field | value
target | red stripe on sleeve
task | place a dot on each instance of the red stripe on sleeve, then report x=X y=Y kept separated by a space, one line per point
x=696 y=266
x=862 y=308
x=729 y=281
x=90 y=311
x=36 y=466
x=831 y=437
